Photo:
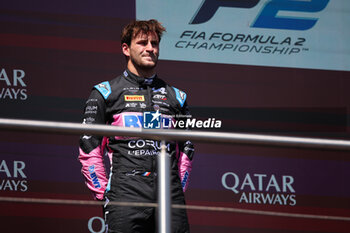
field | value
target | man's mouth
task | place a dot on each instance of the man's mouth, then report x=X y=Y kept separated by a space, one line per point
x=148 y=57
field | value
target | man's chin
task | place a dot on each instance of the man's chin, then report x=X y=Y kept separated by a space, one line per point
x=145 y=65
x=148 y=66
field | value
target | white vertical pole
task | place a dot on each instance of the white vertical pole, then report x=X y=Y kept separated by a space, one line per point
x=164 y=200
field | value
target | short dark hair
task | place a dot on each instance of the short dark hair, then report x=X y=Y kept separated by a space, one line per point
x=135 y=27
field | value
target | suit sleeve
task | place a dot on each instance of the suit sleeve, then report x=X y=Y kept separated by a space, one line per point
x=186 y=155
x=91 y=148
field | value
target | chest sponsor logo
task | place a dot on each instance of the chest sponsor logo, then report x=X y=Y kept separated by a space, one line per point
x=145 y=147
x=160 y=90
x=137 y=121
x=134 y=97
x=131 y=105
x=159 y=96
x=160 y=102
x=131 y=89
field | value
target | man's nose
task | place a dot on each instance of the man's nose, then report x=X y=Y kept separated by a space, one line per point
x=149 y=46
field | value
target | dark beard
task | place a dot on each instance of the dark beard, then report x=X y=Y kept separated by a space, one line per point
x=144 y=67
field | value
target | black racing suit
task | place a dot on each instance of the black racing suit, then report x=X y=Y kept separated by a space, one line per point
x=133 y=173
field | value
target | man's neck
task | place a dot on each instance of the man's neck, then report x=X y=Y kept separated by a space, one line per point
x=141 y=72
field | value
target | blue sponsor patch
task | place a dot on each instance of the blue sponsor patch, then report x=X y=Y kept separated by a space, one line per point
x=147 y=121
x=104 y=88
x=91 y=168
x=93 y=176
x=133 y=121
x=184 y=180
x=180 y=96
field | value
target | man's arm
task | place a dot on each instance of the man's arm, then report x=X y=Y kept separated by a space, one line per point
x=186 y=155
x=92 y=148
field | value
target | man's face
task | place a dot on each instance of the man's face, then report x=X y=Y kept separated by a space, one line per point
x=143 y=51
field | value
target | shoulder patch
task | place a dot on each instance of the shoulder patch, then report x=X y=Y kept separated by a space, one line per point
x=180 y=96
x=104 y=88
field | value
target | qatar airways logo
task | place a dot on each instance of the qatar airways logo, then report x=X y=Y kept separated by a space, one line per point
x=261 y=188
x=12 y=83
x=12 y=176
x=96 y=225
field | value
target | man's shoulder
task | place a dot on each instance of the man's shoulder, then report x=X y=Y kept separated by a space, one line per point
x=106 y=88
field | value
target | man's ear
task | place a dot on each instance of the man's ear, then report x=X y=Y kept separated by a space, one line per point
x=126 y=49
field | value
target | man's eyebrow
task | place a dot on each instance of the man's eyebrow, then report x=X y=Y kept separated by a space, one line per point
x=140 y=40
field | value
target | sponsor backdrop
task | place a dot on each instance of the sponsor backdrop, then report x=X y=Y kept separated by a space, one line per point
x=268 y=66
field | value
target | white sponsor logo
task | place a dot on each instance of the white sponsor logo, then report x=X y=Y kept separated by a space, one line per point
x=140 y=144
x=131 y=105
x=15 y=181
x=160 y=90
x=15 y=86
x=91 y=109
x=261 y=188
x=98 y=219
x=159 y=96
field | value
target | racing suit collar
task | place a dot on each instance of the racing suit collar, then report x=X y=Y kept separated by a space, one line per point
x=141 y=80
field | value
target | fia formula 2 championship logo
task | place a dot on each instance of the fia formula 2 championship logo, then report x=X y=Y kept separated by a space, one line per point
x=268 y=16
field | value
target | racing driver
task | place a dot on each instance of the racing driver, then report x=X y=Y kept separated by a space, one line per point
x=127 y=101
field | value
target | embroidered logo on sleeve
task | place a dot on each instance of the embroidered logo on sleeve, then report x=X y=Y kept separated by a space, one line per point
x=184 y=180
x=104 y=88
x=180 y=96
